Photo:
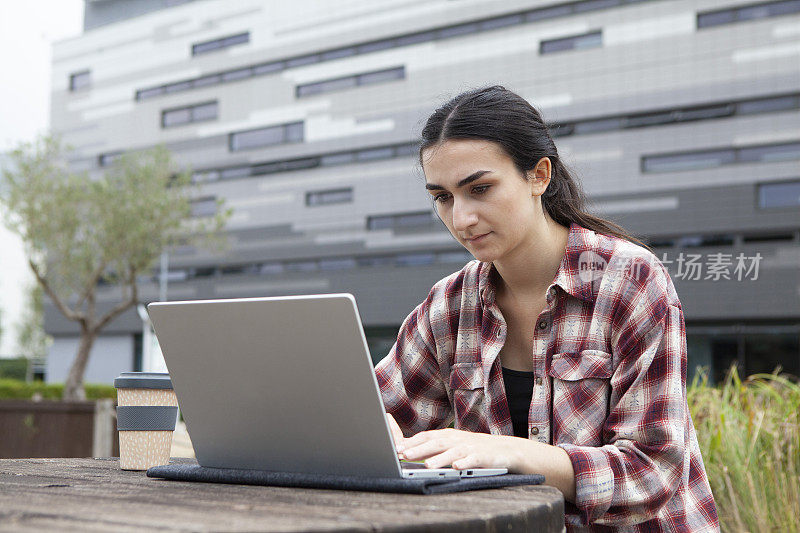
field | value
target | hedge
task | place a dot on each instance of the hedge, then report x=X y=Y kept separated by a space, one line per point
x=20 y=390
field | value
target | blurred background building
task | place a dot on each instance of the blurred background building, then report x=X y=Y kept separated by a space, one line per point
x=681 y=118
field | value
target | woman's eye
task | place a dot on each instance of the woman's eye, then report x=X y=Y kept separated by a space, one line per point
x=480 y=189
x=441 y=197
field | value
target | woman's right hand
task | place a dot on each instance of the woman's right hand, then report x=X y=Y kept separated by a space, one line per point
x=397 y=433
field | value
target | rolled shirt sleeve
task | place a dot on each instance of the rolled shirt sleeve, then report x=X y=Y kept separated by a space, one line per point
x=644 y=458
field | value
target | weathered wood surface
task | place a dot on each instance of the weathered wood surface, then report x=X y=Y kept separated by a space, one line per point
x=95 y=495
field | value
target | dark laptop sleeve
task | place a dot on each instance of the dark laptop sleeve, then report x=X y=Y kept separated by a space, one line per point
x=194 y=472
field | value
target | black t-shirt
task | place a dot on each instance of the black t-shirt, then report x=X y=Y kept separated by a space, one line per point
x=519 y=391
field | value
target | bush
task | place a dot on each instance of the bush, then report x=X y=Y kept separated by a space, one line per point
x=749 y=435
x=16 y=368
x=20 y=390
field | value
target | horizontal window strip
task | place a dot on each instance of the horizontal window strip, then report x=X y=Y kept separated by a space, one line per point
x=440 y=33
x=428 y=257
x=779 y=195
x=258 y=138
x=189 y=114
x=204 y=207
x=349 y=82
x=218 y=44
x=720 y=17
x=703 y=159
x=326 y=264
x=576 y=42
x=662 y=117
x=328 y=197
x=304 y=163
x=401 y=220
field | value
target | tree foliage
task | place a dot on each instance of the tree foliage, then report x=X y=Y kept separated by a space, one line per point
x=81 y=231
x=31 y=337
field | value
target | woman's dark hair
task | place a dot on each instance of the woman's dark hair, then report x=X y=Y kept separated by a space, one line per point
x=502 y=116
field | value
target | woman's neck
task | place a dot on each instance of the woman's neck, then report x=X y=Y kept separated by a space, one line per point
x=530 y=271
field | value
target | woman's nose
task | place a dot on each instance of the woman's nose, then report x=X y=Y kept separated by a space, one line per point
x=464 y=215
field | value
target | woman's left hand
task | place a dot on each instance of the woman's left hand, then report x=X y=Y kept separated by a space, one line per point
x=441 y=448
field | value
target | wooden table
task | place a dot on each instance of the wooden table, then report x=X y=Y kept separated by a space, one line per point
x=95 y=495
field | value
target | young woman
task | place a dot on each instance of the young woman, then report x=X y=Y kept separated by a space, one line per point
x=561 y=350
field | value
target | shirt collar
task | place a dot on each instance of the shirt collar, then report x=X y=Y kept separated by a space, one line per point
x=582 y=246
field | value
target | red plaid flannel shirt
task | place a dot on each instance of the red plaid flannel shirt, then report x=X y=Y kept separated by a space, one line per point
x=611 y=347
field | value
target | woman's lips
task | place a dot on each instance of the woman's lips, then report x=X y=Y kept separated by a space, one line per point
x=477 y=239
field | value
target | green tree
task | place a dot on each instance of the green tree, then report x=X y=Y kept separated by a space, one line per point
x=81 y=232
x=31 y=337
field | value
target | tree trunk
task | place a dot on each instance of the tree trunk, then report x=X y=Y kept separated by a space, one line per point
x=73 y=388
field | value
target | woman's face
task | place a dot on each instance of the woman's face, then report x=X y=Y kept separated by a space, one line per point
x=481 y=197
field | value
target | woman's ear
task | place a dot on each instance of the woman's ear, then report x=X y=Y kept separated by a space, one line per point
x=539 y=177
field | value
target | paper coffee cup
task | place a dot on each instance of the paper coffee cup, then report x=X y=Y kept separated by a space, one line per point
x=146 y=413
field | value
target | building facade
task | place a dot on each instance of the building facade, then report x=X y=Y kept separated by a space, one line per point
x=681 y=119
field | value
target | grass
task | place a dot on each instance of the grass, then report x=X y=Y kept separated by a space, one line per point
x=749 y=435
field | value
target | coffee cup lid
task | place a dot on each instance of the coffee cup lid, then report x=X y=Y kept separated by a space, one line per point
x=143 y=380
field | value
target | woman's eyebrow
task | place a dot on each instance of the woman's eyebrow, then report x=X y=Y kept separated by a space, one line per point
x=469 y=179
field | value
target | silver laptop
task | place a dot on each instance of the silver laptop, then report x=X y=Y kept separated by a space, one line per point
x=282 y=384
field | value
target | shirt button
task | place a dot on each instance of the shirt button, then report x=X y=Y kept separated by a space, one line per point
x=538 y=381
x=534 y=431
x=542 y=324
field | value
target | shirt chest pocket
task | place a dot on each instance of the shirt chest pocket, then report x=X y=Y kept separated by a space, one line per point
x=581 y=392
x=466 y=385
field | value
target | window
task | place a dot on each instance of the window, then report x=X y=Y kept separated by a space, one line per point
x=779 y=195
x=696 y=241
x=593 y=126
x=577 y=42
x=349 y=82
x=302 y=61
x=374 y=153
x=768 y=105
x=455 y=31
x=186 y=115
x=205 y=81
x=415 y=259
x=334 y=196
x=772 y=237
x=80 y=80
x=401 y=220
x=380 y=76
x=339 y=158
x=770 y=153
x=239 y=74
x=301 y=266
x=177 y=87
x=219 y=44
x=742 y=14
x=689 y=161
x=339 y=263
x=649 y=119
x=269 y=136
x=204 y=207
x=705 y=113
x=713 y=158
x=326 y=86
x=105 y=160
x=235 y=172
